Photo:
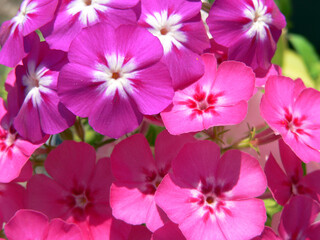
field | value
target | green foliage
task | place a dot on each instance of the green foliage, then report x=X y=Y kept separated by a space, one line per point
x=3 y=76
x=308 y=53
x=272 y=207
x=152 y=134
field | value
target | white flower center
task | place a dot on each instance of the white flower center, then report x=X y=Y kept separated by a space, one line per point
x=87 y=10
x=167 y=29
x=35 y=82
x=260 y=20
x=22 y=15
x=116 y=75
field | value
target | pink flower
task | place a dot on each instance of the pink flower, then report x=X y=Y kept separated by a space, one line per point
x=74 y=15
x=284 y=108
x=284 y=185
x=31 y=16
x=137 y=175
x=77 y=191
x=267 y=234
x=211 y=196
x=298 y=219
x=29 y=224
x=35 y=94
x=249 y=29
x=218 y=98
x=114 y=77
x=12 y=198
x=178 y=25
x=14 y=150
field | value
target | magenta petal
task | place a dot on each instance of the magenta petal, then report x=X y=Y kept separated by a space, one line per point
x=68 y=155
x=153 y=89
x=123 y=4
x=184 y=72
x=278 y=182
x=241 y=175
x=130 y=160
x=27 y=122
x=167 y=148
x=139 y=232
x=290 y=161
x=297 y=216
x=169 y=231
x=12 y=199
x=207 y=154
x=61 y=230
x=27 y=224
x=45 y=195
x=241 y=224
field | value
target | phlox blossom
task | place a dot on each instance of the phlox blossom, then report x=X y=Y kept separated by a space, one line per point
x=290 y=182
x=14 y=149
x=249 y=29
x=298 y=219
x=219 y=97
x=115 y=77
x=137 y=175
x=74 y=15
x=34 y=92
x=32 y=15
x=30 y=224
x=208 y=195
x=292 y=110
x=178 y=25
x=77 y=191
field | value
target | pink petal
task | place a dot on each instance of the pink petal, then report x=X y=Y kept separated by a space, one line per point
x=123 y=4
x=241 y=175
x=225 y=82
x=207 y=154
x=130 y=160
x=239 y=224
x=267 y=234
x=61 y=162
x=27 y=224
x=61 y=230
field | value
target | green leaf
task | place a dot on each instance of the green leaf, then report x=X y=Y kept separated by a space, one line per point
x=281 y=47
x=308 y=53
x=272 y=207
x=3 y=76
x=153 y=133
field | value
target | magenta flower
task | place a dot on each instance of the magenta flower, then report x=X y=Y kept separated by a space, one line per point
x=29 y=224
x=249 y=29
x=291 y=182
x=178 y=25
x=211 y=196
x=12 y=198
x=284 y=108
x=267 y=234
x=137 y=176
x=114 y=77
x=75 y=15
x=218 y=98
x=298 y=219
x=77 y=191
x=14 y=150
x=31 y=16
x=35 y=94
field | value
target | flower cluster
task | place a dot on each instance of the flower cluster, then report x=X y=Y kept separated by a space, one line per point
x=152 y=119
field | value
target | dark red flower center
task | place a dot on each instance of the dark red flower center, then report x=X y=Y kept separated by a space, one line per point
x=115 y=75
x=88 y=2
